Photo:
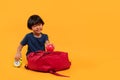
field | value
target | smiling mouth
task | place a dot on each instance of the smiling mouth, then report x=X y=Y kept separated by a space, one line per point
x=38 y=30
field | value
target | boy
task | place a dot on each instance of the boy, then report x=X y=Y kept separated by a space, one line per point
x=35 y=40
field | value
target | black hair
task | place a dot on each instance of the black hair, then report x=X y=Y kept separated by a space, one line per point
x=34 y=20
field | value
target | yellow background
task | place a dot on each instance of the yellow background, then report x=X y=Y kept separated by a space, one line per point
x=88 y=29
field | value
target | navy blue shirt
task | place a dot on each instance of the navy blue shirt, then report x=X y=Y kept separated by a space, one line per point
x=34 y=43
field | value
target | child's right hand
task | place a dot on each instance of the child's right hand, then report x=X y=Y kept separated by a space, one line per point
x=18 y=56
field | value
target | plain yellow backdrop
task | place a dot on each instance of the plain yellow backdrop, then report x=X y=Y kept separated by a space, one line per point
x=88 y=30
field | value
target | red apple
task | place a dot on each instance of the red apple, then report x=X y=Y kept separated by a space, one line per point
x=50 y=48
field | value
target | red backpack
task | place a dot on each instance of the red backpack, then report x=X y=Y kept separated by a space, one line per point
x=48 y=61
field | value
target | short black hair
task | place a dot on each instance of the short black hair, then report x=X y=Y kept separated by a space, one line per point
x=34 y=20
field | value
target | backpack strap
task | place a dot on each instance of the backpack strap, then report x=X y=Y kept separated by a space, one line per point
x=57 y=74
x=51 y=71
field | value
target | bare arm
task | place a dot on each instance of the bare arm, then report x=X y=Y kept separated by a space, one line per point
x=47 y=42
x=18 y=54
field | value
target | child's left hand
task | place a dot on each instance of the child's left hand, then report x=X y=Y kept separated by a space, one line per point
x=49 y=47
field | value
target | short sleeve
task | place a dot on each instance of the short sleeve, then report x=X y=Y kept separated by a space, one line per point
x=46 y=37
x=24 y=41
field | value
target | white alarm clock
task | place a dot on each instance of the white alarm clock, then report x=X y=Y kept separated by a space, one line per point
x=18 y=63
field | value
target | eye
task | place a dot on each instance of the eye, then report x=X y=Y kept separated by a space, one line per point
x=39 y=24
x=34 y=25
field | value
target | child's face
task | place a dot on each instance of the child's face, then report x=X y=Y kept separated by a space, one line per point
x=37 y=28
